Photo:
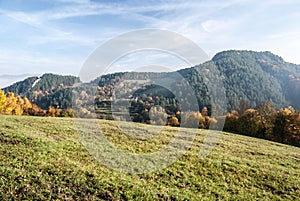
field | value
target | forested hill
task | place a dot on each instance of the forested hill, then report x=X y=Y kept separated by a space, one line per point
x=259 y=76
x=47 y=90
x=247 y=75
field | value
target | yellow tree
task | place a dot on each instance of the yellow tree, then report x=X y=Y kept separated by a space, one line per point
x=173 y=121
x=2 y=101
x=36 y=111
x=10 y=103
x=58 y=112
x=18 y=110
x=51 y=111
x=27 y=106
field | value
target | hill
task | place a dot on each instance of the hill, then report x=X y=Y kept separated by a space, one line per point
x=43 y=158
x=259 y=77
x=254 y=77
x=46 y=90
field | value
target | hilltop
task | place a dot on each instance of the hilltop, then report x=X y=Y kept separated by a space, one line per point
x=43 y=158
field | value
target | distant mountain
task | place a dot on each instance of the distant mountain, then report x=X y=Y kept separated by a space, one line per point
x=255 y=77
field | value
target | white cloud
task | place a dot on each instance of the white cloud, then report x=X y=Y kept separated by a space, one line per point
x=147 y=59
x=213 y=25
x=7 y=80
x=35 y=63
x=29 y=19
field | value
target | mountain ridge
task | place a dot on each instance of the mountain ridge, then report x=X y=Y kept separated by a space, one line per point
x=247 y=75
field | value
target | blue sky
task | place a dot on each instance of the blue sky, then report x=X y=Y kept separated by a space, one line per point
x=38 y=36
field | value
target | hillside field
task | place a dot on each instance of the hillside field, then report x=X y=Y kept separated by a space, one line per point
x=43 y=158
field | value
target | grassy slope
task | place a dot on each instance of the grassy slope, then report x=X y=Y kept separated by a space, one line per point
x=43 y=158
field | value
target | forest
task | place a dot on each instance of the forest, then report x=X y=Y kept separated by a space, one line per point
x=254 y=93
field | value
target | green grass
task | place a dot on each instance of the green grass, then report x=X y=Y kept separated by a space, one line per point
x=43 y=158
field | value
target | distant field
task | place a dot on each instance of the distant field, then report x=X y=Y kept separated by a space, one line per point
x=43 y=158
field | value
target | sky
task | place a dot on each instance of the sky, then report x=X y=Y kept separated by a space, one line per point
x=57 y=36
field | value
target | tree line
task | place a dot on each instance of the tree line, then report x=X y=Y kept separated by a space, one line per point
x=16 y=105
x=263 y=121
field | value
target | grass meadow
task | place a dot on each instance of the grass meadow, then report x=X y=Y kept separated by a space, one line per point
x=44 y=158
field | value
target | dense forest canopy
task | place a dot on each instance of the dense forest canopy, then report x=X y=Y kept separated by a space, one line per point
x=255 y=77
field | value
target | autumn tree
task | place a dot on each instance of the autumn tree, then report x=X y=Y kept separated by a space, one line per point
x=68 y=113
x=16 y=105
x=231 y=121
x=53 y=112
x=18 y=110
x=27 y=106
x=173 y=121
x=2 y=101
x=287 y=126
x=11 y=103
x=250 y=123
x=36 y=111
x=267 y=114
